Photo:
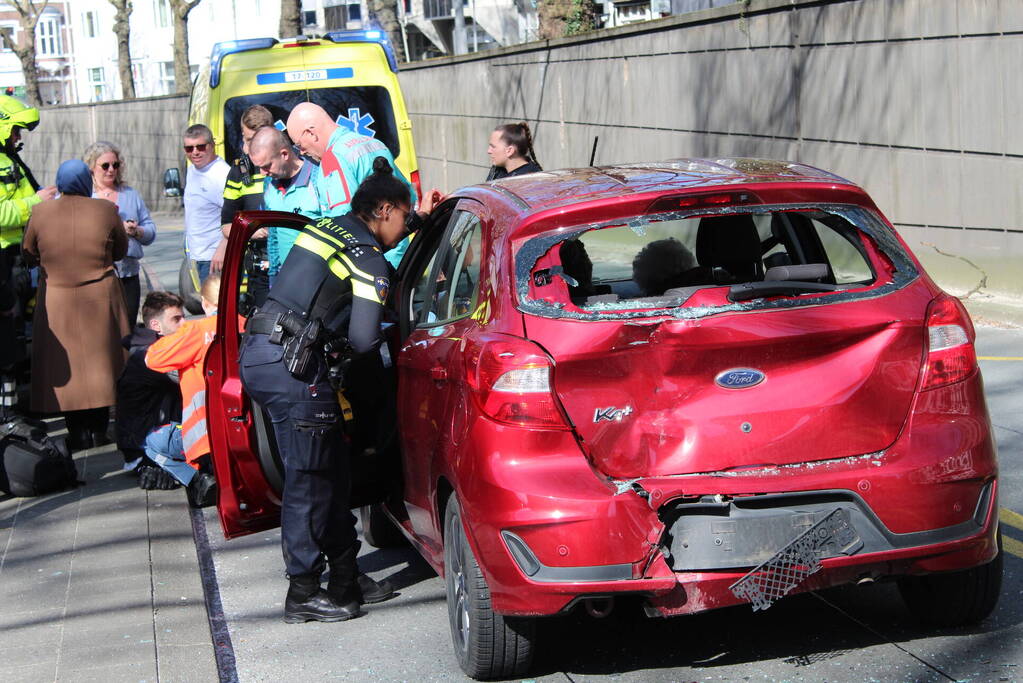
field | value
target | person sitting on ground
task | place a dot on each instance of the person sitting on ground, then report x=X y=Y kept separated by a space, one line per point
x=183 y=448
x=147 y=399
x=510 y=149
x=661 y=265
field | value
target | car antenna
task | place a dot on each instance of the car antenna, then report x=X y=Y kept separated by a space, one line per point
x=593 y=152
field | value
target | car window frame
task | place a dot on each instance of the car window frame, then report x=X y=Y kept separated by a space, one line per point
x=440 y=257
x=866 y=220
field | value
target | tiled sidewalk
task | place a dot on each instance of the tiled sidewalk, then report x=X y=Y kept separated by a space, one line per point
x=101 y=583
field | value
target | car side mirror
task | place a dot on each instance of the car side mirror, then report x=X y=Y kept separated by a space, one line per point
x=172 y=183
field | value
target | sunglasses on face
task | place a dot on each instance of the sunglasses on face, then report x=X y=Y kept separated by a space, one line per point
x=106 y=165
x=198 y=148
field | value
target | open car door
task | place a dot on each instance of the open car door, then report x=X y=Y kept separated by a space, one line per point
x=245 y=455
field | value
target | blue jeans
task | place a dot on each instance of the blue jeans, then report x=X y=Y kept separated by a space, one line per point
x=163 y=446
x=204 y=270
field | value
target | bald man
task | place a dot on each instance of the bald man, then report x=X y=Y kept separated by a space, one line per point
x=287 y=186
x=346 y=159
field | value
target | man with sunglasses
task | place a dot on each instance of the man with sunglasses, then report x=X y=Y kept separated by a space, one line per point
x=204 y=197
x=19 y=192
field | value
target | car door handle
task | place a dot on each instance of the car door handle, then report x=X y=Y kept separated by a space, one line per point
x=438 y=374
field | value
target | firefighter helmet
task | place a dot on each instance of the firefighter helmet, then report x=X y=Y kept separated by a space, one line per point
x=15 y=113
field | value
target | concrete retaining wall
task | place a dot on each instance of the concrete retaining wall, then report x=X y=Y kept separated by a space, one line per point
x=919 y=101
x=147 y=130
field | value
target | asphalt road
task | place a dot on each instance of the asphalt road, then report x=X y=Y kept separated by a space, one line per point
x=847 y=634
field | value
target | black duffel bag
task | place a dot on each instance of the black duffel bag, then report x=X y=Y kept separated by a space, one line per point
x=32 y=462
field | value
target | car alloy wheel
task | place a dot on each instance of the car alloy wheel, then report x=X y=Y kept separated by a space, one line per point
x=487 y=645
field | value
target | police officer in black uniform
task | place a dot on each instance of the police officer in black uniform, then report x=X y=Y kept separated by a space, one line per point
x=329 y=295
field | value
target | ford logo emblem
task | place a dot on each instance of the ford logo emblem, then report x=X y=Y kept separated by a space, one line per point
x=739 y=378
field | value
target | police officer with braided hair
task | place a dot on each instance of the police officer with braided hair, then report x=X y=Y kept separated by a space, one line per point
x=329 y=294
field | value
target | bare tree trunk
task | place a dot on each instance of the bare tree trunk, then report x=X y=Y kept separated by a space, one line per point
x=291 y=18
x=386 y=14
x=27 y=57
x=122 y=32
x=28 y=18
x=182 y=73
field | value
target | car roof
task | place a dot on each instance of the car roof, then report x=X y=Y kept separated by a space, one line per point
x=551 y=189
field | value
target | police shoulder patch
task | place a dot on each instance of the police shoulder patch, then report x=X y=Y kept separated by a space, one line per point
x=382 y=286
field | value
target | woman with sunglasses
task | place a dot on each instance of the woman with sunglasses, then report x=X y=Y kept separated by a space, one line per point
x=107 y=166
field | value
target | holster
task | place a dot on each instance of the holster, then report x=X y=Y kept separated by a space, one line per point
x=300 y=348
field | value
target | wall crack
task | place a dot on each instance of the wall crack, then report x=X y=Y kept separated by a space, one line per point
x=983 y=275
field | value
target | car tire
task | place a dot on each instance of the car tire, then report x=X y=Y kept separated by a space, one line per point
x=955 y=598
x=378 y=530
x=188 y=287
x=487 y=645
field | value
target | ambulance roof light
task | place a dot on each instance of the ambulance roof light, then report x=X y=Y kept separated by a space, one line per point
x=366 y=36
x=221 y=50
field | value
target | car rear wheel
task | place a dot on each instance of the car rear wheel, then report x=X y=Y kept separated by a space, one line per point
x=378 y=529
x=956 y=598
x=487 y=645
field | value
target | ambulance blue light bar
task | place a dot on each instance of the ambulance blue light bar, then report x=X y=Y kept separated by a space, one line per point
x=221 y=50
x=369 y=36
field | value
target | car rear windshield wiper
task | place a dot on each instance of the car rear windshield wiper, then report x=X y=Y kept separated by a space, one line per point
x=755 y=290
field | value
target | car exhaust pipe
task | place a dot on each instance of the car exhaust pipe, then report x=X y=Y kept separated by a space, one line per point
x=598 y=608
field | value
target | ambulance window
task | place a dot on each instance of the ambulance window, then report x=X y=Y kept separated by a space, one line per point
x=365 y=109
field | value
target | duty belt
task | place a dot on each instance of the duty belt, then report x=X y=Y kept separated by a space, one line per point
x=274 y=324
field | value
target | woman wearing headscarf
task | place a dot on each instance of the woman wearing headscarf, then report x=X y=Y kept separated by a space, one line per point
x=105 y=161
x=80 y=314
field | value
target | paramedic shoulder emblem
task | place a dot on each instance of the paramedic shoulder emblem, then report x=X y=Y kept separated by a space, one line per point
x=382 y=286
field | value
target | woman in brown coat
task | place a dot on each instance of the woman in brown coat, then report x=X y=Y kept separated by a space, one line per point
x=80 y=314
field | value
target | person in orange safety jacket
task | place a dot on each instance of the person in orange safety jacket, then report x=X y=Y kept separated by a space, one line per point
x=184 y=449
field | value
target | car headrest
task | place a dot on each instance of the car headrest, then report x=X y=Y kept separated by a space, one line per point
x=729 y=242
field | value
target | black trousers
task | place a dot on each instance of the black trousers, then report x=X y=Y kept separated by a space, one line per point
x=316 y=519
x=132 y=294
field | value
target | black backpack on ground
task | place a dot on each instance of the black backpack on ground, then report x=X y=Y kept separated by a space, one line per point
x=32 y=462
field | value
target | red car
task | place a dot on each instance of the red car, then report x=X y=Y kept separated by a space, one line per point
x=704 y=383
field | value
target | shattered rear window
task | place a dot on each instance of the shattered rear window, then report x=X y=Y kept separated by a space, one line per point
x=694 y=263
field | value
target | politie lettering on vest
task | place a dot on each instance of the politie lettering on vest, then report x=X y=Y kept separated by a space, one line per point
x=326 y=297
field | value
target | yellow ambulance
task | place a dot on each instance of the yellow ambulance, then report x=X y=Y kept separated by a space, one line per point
x=351 y=74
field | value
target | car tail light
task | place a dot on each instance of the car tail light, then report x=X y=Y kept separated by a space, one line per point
x=415 y=183
x=511 y=379
x=695 y=201
x=951 y=356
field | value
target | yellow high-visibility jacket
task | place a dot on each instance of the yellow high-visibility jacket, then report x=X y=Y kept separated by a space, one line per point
x=16 y=201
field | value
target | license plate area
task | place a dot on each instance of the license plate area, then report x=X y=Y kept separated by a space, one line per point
x=715 y=533
x=791 y=565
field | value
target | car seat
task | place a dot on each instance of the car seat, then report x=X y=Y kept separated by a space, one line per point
x=730 y=243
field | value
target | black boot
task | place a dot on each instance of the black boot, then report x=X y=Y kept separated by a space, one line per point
x=306 y=601
x=371 y=591
x=202 y=490
x=98 y=422
x=342 y=585
x=79 y=438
